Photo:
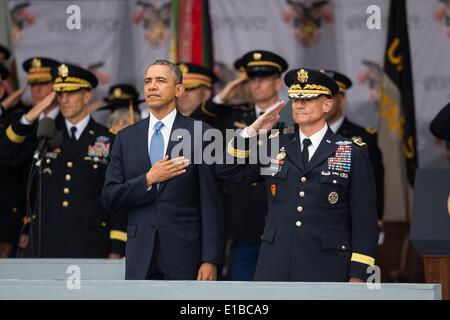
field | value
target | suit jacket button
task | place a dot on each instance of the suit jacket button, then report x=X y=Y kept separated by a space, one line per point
x=299 y=208
x=303 y=179
x=65 y=204
x=14 y=210
x=68 y=177
x=344 y=247
x=69 y=164
x=66 y=190
x=298 y=223
x=103 y=224
x=302 y=194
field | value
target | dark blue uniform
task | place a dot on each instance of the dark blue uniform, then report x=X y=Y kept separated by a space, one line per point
x=322 y=221
x=74 y=223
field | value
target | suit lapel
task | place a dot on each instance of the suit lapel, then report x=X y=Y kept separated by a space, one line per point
x=142 y=144
x=293 y=151
x=326 y=148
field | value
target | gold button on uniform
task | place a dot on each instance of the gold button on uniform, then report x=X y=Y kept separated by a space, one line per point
x=69 y=164
x=303 y=179
x=343 y=247
x=66 y=190
x=95 y=166
x=65 y=204
x=302 y=194
x=47 y=160
x=334 y=181
x=68 y=177
x=103 y=224
x=14 y=210
x=299 y=208
x=298 y=223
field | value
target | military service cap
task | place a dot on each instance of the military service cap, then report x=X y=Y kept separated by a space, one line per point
x=195 y=76
x=122 y=96
x=342 y=81
x=261 y=63
x=39 y=69
x=70 y=78
x=306 y=83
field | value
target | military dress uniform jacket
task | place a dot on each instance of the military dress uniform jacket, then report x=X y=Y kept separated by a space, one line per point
x=12 y=184
x=245 y=204
x=351 y=130
x=74 y=222
x=322 y=222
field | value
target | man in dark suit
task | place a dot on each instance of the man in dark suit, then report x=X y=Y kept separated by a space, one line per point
x=340 y=124
x=173 y=205
x=74 y=223
x=322 y=222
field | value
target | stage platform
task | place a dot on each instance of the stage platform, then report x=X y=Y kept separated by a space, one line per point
x=102 y=279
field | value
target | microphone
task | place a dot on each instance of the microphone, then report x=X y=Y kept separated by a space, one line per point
x=55 y=141
x=45 y=131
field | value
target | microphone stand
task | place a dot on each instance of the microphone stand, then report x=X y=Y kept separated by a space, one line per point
x=36 y=167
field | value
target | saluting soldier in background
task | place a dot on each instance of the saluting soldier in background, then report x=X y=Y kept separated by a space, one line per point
x=340 y=124
x=14 y=171
x=322 y=221
x=74 y=223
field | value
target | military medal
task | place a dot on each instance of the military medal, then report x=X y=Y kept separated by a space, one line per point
x=273 y=189
x=342 y=158
x=333 y=197
x=281 y=155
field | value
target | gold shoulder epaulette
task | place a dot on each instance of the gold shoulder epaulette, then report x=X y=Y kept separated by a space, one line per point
x=371 y=130
x=113 y=131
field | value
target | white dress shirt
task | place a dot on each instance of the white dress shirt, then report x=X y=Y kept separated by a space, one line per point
x=316 y=138
x=81 y=125
x=337 y=124
x=165 y=129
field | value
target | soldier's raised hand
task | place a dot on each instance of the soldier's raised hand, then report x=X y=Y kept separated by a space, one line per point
x=13 y=98
x=266 y=121
x=34 y=113
x=225 y=93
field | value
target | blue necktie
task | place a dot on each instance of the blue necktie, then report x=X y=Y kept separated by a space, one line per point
x=156 y=151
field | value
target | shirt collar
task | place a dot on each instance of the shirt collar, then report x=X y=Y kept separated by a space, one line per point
x=316 y=138
x=81 y=125
x=168 y=120
x=337 y=124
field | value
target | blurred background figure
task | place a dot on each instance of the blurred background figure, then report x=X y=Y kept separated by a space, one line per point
x=123 y=102
x=198 y=82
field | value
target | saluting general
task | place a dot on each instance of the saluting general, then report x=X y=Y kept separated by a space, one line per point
x=322 y=219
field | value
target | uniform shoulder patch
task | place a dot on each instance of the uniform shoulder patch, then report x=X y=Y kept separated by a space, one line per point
x=371 y=130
